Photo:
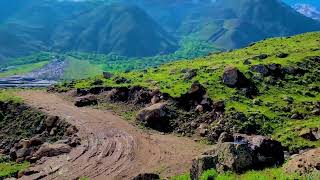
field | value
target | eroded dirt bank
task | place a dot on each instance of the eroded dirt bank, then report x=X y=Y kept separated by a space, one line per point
x=111 y=148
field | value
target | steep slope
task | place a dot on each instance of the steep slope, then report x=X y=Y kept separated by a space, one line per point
x=229 y=23
x=87 y=26
x=308 y=10
x=285 y=103
x=121 y=29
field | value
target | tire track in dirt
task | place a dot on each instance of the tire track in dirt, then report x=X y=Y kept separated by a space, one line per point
x=111 y=148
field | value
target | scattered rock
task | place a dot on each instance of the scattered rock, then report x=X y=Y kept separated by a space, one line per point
x=262 y=69
x=190 y=74
x=316 y=112
x=304 y=163
x=282 y=55
x=107 y=75
x=196 y=95
x=97 y=82
x=86 y=101
x=202 y=164
x=50 y=150
x=203 y=130
x=297 y=116
x=311 y=134
x=147 y=176
x=51 y=121
x=225 y=137
x=121 y=80
x=260 y=57
x=233 y=78
x=155 y=116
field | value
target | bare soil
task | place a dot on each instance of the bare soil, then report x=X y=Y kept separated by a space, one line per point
x=111 y=147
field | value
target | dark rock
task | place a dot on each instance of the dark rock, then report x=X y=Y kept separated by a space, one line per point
x=219 y=106
x=82 y=92
x=97 y=82
x=233 y=78
x=282 y=55
x=96 y=89
x=118 y=94
x=86 y=101
x=297 y=116
x=71 y=130
x=260 y=57
x=311 y=134
x=50 y=150
x=121 y=80
x=155 y=116
x=288 y=99
x=202 y=164
x=147 y=176
x=267 y=152
x=190 y=74
x=262 y=69
x=225 y=137
x=196 y=95
x=107 y=75
x=234 y=157
x=51 y=121
x=36 y=141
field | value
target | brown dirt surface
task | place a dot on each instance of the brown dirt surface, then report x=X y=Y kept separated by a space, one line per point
x=304 y=163
x=111 y=148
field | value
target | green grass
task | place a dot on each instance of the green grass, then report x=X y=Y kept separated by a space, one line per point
x=169 y=78
x=266 y=174
x=78 y=69
x=9 y=169
x=7 y=95
x=23 y=69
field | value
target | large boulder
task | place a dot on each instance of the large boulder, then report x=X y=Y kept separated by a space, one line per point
x=86 y=101
x=267 y=152
x=50 y=150
x=307 y=162
x=155 y=116
x=202 y=164
x=236 y=157
x=233 y=78
x=197 y=95
x=245 y=153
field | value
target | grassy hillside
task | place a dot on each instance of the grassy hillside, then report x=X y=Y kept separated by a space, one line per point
x=269 y=110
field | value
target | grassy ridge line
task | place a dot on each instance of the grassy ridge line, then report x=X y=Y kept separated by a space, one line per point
x=169 y=78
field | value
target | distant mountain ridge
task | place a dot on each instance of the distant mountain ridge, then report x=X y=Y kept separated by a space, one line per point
x=87 y=26
x=140 y=28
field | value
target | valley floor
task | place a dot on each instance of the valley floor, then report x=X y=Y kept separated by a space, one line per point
x=111 y=148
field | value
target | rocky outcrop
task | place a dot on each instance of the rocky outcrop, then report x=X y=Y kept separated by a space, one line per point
x=24 y=130
x=233 y=78
x=155 y=117
x=195 y=98
x=304 y=163
x=50 y=150
x=86 y=101
x=247 y=152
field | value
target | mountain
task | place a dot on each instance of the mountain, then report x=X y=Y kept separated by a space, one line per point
x=80 y=26
x=228 y=23
x=141 y=28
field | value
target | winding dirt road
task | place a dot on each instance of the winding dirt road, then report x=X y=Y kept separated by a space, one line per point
x=111 y=148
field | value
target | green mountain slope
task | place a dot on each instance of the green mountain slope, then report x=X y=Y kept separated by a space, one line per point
x=286 y=95
x=86 y=26
x=229 y=23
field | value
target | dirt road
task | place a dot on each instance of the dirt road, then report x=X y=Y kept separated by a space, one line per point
x=111 y=148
